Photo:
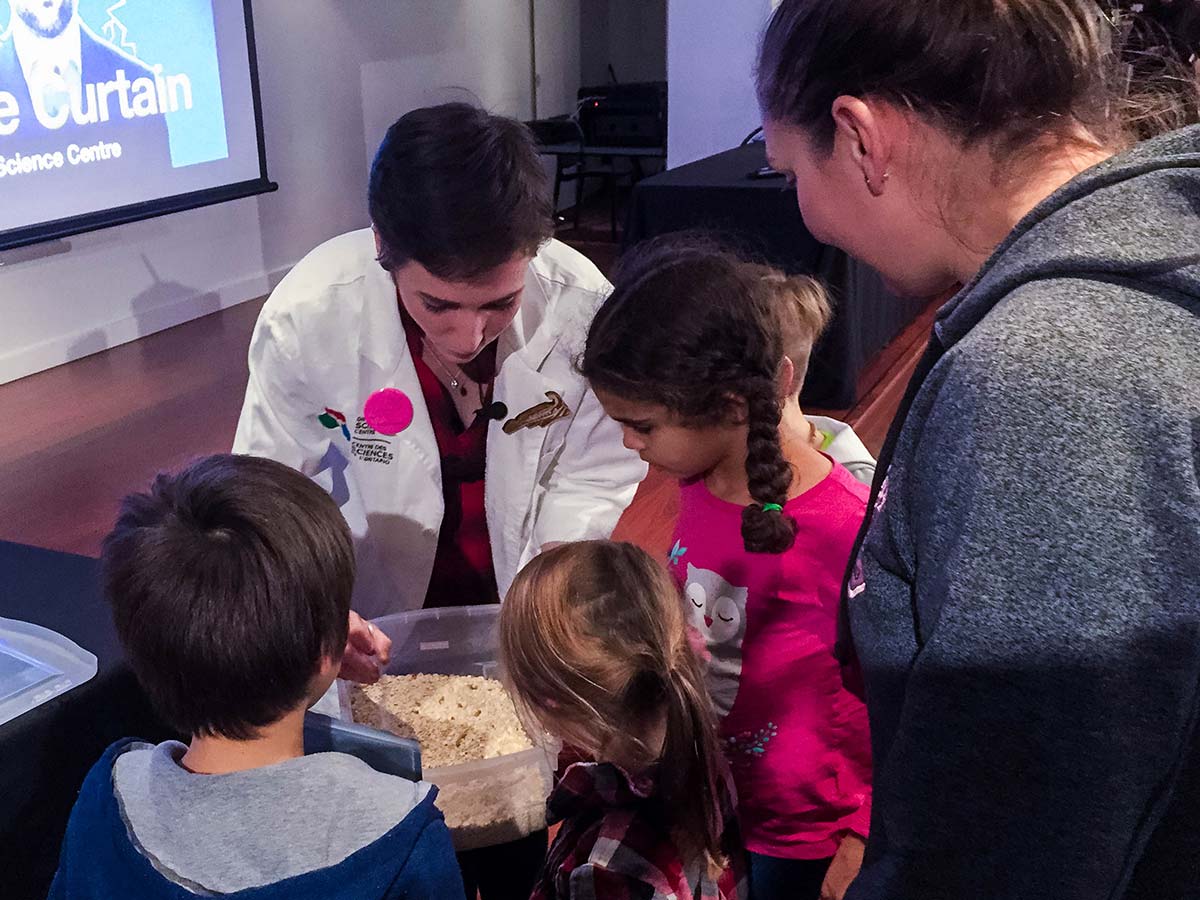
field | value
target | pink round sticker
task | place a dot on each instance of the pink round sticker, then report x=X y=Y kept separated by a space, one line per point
x=388 y=411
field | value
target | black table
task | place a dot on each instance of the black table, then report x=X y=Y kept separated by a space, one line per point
x=571 y=164
x=577 y=148
x=761 y=216
x=45 y=754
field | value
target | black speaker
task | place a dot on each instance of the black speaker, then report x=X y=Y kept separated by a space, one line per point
x=624 y=115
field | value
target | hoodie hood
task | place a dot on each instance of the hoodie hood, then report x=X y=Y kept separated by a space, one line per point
x=1089 y=229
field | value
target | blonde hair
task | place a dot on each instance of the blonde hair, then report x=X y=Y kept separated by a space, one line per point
x=801 y=311
x=594 y=642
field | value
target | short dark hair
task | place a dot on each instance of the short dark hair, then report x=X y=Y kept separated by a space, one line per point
x=229 y=582
x=459 y=191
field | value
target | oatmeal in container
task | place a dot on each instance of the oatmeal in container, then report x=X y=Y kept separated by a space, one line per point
x=442 y=688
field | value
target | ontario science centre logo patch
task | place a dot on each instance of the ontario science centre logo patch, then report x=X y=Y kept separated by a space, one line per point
x=366 y=443
x=331 y=419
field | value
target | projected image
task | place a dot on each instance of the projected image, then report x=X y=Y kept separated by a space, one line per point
x=108 y=103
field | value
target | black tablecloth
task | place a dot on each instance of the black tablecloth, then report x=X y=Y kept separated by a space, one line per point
x=762 y=216
x=45 y=754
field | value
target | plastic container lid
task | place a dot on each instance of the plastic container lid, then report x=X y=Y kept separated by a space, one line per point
x=36 y=665
x=380 y=750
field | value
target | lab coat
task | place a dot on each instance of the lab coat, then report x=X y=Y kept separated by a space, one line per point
x=331 y=335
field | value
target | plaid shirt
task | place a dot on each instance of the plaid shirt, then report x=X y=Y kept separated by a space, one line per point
x=614 y=843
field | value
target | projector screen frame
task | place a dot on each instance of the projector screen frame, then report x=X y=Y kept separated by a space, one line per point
x=151 y=209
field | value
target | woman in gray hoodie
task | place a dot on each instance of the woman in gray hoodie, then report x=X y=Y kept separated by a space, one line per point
x=1025 y=602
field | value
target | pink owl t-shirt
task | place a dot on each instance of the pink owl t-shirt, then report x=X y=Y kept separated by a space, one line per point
x=796 y=738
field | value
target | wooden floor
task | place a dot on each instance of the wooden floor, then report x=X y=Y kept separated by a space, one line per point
x=79 y=437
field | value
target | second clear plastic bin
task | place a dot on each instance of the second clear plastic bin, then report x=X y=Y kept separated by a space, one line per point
x=492 y=801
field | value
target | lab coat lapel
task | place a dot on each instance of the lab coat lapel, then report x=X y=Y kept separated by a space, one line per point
x=513 y=459
x=389 y=363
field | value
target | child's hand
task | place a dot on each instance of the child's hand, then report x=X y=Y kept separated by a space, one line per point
x=367 y=652
x=844 y=868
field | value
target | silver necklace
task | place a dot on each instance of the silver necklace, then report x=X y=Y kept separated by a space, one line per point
x=455 y=383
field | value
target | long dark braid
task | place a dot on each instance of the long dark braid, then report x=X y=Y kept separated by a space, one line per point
x=768 y=475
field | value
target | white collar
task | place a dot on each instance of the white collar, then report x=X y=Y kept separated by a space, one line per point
x=30 y=47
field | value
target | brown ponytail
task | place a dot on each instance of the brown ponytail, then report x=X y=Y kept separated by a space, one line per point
x=1008 y=72
x=693 y=764
x=593 y=638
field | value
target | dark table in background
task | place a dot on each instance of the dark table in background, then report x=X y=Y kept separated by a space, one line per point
x=762 y=216
x=45 y=754
x=578 y=148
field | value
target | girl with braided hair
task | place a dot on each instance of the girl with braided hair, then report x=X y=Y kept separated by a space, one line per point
x=700 y=357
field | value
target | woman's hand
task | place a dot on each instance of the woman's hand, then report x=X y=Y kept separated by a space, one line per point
x=844 y=868
x=367 y=652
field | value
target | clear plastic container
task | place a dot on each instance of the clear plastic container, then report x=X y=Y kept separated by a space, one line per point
x=36 y=665
x=492 y=801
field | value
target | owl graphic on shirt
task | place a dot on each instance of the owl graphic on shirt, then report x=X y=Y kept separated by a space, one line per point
x=717 y=611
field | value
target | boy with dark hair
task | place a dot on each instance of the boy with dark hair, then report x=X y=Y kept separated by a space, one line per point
x=230 y=584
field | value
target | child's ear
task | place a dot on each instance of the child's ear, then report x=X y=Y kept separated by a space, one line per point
x=329 y=666
x=737 y=410
x=327 y=672
x=787 y=378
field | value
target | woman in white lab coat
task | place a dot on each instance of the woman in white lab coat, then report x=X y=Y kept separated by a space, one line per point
x=423 y=372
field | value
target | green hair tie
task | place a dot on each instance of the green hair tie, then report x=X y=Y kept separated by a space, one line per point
x=772 y=507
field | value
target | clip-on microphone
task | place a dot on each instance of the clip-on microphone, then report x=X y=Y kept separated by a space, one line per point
x=495 y=410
